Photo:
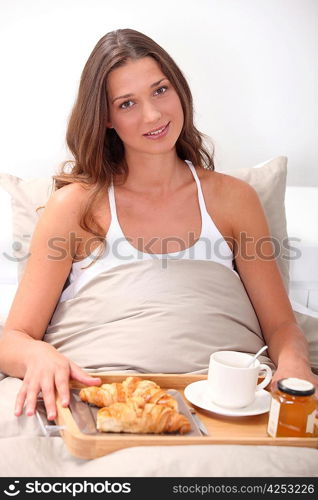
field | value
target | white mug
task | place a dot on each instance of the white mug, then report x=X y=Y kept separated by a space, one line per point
x=230 y=383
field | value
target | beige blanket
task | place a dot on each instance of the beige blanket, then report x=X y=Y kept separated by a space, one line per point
x=156 y=316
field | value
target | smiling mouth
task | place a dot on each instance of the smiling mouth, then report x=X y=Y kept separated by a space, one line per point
x=157 y=131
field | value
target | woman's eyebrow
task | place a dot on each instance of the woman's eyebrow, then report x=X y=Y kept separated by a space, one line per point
x=131 y=95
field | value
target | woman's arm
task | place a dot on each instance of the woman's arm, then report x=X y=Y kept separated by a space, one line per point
x=257 y=267
x=23 y=353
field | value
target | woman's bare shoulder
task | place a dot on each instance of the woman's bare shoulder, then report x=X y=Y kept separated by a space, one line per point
x=68 y=203
x=73 y=200
x=225 y=188
x=71 y=194
x=221 y=179
x=227 y=199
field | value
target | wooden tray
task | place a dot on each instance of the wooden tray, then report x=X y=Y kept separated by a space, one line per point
x=222 y=429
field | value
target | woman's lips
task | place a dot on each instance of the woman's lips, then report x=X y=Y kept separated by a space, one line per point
x=158 y=135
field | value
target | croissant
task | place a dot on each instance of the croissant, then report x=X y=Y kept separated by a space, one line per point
x=143 y=391
x=152 y=418
x=149 y=391
x=105 y=395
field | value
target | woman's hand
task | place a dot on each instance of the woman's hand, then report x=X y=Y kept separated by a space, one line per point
x=48 y=371
x=298 y=370
x=302 y=371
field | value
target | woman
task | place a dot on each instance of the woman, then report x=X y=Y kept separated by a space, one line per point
x=135 y=148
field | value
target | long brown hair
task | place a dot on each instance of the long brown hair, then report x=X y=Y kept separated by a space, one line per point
x=97 y=150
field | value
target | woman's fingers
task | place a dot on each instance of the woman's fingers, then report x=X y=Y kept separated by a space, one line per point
x=78 y=374
x=31 y=398
x=20 y=400
x=49 y=397
x=63 y=388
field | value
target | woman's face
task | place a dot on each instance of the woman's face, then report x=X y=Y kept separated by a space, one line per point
x=142 y=100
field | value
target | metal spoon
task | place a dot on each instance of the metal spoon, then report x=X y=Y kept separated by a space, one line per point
x=256 y=355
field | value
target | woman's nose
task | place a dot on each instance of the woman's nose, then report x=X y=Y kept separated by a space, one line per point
x=151 y=113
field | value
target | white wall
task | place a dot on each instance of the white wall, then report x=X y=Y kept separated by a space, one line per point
x=252 y=66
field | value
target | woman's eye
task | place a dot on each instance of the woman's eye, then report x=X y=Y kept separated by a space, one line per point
x=125 y=105
x=162 y=90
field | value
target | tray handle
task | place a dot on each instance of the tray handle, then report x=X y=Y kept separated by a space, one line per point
x=48 y=429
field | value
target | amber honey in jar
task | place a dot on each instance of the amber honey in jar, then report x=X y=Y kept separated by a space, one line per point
x=293 y=409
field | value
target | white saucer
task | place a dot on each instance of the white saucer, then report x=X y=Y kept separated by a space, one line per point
x=196 y=393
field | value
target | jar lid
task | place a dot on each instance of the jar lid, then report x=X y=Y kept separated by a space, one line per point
x=296 y=386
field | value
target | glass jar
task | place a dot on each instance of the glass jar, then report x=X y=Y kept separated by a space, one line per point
x=293 y=409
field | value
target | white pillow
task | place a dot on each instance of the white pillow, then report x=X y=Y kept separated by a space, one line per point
x=26 y=197
x=8 y=262
x=7 y=293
